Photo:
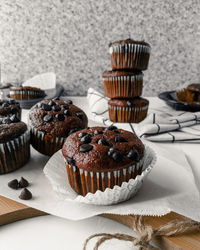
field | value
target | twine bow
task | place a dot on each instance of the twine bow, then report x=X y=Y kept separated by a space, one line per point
x=145 y=233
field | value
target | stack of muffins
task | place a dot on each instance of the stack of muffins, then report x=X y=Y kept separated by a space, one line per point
x=124 y=83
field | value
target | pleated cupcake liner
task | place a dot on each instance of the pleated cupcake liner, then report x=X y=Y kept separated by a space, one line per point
x=14 y=153
x=25 y=94
x=45 y=143
x=123 y=86
x=132 y=114
x=129 y=56
x=107 y=188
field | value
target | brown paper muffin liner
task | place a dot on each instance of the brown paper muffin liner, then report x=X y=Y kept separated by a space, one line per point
x=127 y=114
x=129 y=56
x=45 y=143
x=15 y=153
x=84 y=182
x=123 y=86
x=25 y=94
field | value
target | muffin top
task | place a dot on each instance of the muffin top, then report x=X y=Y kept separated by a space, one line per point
x=128 y=41
x=138 y=101
x=11 y=128
x=56 y=117
x=114 y=73
x=194 y=87
x=102 y=149
x=8 y=107
x=26 y=88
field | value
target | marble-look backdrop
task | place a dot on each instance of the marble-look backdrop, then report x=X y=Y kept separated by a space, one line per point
x=71 y=37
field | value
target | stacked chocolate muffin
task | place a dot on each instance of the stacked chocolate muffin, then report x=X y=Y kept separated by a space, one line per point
x=124 y=83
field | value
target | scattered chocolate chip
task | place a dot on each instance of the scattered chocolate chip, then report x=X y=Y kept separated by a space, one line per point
x=48 y=118
x=70 y=161
x=72 y=131
x=60 y=117
x=67 y=113
x=14 y=118
x=56 y=108
x=129 y=103
x=80 y=135
x=69 y=101
x=96 y=132
x=111 y=128
x=52 y=103
x=86 y=139
x=79 y=115
x=25 y=194
x=117 y=155
x=6 y=121
x=103 y=141
x=46 y=107
x=23 y=183
x=5 y=105
x=120 y=139
x=64 y=107
x=85 y=148
x=13 y=184
x=133 y=155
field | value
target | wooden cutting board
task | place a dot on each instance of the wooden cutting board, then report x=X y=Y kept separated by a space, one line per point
x=11 y=211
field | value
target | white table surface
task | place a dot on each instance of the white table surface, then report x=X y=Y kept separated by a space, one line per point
x=53 y=233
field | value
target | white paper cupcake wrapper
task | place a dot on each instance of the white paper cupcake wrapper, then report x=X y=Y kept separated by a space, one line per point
x=129 y=48
x=55 y=171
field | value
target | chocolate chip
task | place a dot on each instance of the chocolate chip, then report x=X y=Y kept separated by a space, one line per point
x=13 y=184
x=39 y=105
x=96 y=132
x=70 y=161
x=85 y=148
x=117 y=156
x=79 y=115
x=6 y=121
x=52 y=103
x=60 y=117
x=86 y=139
x=120 y=139
x=110 y=151
x=14 y=118
x=64 y=107
x=48 y=118
x=103 y=141
x=133 y=155
x=56 y=108
x=117 y=132
x=80 y=135
x=67 y=113
x=25 y=194
x=69 y=101
x=46 y=107
x=5 y=105
x=23 y=183
x=72 y=131
x=111 y=128
x=129 y=103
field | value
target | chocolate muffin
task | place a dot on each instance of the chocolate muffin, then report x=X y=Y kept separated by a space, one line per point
x=9 y=108
x=130 y=110
x=26 y=93
x=14 y=144
x=98 y=158
x=129 y=54
x=123 y=84
x=190 y=95
x=51 y=121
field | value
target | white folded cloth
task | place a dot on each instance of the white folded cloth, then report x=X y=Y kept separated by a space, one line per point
x=162 y=124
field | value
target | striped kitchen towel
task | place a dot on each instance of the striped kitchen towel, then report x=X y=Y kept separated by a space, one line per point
x=162 y=124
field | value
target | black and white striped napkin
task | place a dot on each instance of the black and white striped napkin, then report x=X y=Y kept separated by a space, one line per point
x=162 y=124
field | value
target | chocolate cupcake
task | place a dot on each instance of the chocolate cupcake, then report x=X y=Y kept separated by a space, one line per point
x=190 y=95
x=129 y=54
x=98 y=158
x=123 y=84
x=51 y=121
x=14 y=144
x=26 y=93
x=9 y=108
x=131 y=110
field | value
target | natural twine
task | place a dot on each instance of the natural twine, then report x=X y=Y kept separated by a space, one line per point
x=146 y=233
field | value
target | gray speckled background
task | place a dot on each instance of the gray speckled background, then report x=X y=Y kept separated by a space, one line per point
x=71 y=37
